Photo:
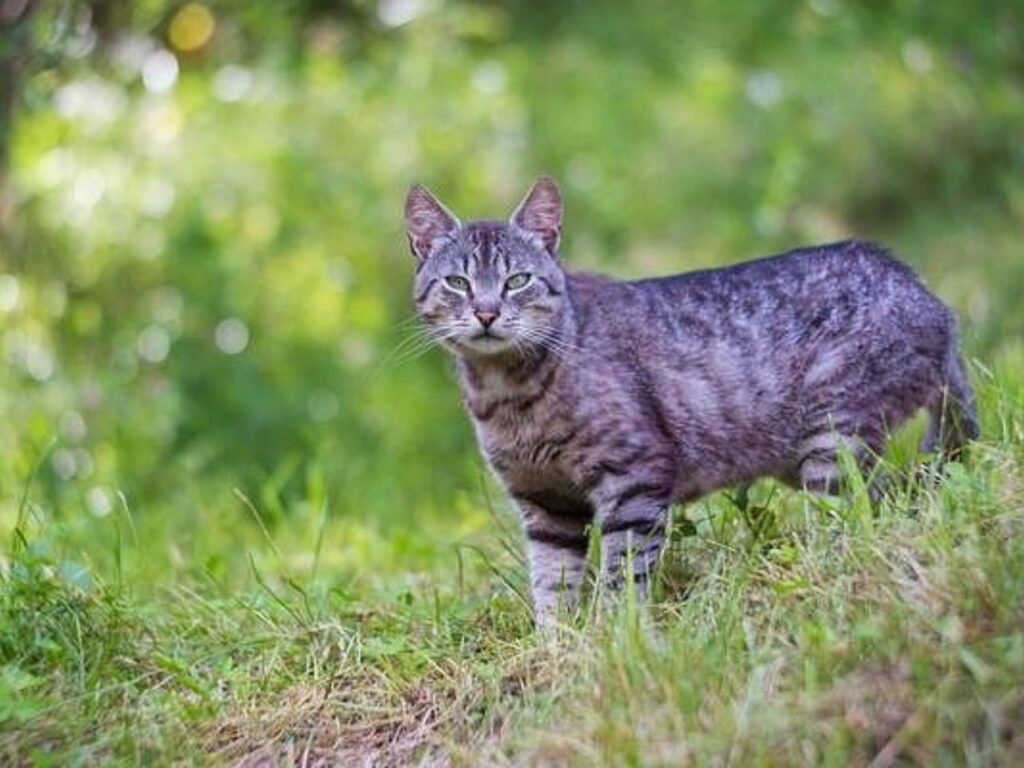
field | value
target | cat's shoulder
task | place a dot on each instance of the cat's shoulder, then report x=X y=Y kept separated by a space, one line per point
x=592 y=283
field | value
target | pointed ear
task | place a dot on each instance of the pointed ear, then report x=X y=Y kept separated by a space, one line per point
x=539 y=215
x=426 y=221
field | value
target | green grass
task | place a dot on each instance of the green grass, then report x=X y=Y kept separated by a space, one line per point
x=787 y=630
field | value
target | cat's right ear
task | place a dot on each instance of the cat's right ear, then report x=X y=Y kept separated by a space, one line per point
x=426 y=221
x=539 y=215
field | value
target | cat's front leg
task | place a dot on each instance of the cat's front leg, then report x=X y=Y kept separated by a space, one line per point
x=556 y=546
x=632 y=517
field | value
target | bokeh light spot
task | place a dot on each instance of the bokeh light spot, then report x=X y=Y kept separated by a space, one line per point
x=232 y=83
x=191 y=28
x=63 y=463
x=72 y=427
x=764 y=88
x=157 y=197
x=231 y=336
x=395 y=13
x=160 y=71
x=84 y=464
x=39 y=363
x=917 y=56
x=154 y=344
x=490 y=77
x=322 y=405
x=99 y=502
x=10 y=293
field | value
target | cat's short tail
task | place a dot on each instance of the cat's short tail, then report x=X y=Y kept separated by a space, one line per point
x=954 y=417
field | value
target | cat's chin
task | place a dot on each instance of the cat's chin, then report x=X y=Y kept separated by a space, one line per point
x=484 y=347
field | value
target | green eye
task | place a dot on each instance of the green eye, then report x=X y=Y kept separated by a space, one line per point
x=518 y=281
x=458 y=282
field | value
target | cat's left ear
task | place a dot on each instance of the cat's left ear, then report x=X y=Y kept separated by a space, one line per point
x=539 y=215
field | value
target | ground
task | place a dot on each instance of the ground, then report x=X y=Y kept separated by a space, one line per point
x=786 y=630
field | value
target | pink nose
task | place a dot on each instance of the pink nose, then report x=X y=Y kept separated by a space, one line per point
x=486 y=318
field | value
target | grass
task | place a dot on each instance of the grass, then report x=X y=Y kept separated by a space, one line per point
x=787 y=630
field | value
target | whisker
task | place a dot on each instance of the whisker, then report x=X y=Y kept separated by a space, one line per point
x=549 y=339
x=411 y=347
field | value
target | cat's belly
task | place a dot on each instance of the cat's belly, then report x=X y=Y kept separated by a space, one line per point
x=574 y=447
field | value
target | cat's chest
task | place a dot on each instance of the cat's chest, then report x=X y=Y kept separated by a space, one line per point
x=525 y=429
x=528 y=447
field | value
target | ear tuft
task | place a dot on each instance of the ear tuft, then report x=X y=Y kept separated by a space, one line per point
x=539 y=215
x=426 y=221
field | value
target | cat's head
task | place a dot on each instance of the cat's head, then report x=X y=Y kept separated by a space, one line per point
x=488 y=288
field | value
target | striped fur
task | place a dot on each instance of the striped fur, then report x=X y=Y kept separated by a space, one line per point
x=599 y=402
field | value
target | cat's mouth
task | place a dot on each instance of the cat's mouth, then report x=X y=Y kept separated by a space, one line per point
x=486 y=342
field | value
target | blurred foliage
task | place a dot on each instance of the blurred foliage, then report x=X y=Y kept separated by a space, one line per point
x=204 y=283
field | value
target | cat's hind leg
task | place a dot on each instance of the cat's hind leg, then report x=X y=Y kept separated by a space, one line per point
x=818 y=463
x=954 y=417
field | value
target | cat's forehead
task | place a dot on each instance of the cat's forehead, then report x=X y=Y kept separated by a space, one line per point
x=486 y=243
x=485 y=249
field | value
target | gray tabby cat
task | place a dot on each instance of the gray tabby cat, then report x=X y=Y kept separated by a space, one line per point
x=603 y=402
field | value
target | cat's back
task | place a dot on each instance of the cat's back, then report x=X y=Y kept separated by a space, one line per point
x=848 y=286
x=849 y=267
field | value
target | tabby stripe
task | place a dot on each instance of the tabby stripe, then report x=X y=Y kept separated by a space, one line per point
x=543 y=452
x=530 y=367
x=825 y=452
x=615 y=467
x=638 y=527
x=425 y=291
x=486 y=412
x=593 y=475
x=549 y=378
x=640 y=577
x=524 y=404
x=482 y=250
x=841 y=429
x=574 y=542
x=556 y=505
x=551 y=289
x=649 y=402
x=653 y=489
x=520 y=403
x=501 y=465
x=553 y=447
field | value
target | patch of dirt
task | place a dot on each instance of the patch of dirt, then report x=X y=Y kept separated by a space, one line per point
x=367 y=719
x=331 y=725
x=876 y=704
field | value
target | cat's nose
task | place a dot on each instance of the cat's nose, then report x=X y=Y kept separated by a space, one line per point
x=486 y=318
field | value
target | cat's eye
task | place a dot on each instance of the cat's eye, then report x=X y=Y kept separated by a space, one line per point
x=458 y=282
x=518 y=281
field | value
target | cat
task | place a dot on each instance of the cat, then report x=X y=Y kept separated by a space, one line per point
x=603 y=402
